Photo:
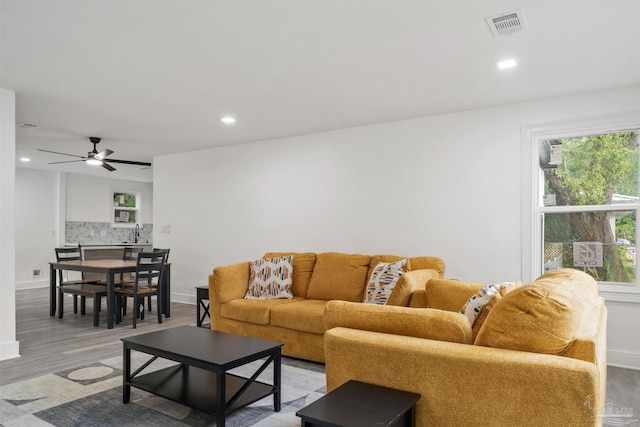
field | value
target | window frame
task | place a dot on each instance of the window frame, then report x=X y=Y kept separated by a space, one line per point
x=137 y=209
x=533 y=208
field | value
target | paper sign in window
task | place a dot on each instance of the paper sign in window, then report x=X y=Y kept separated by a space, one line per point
x=587 y=254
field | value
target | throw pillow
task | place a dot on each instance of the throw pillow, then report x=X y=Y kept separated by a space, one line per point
x=504 y=289
x=383 y=279
x=476 y=304
x=270 y=278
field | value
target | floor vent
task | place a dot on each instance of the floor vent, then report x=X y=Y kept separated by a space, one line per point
x=506 y=23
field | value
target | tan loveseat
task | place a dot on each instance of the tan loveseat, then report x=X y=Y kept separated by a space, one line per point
x=316 y=279
x=539 y=358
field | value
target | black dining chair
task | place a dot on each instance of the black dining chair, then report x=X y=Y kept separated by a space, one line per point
x=72 y=254
x=83 y=290
x=166 y=259
x=146 y=282
x=128 y=254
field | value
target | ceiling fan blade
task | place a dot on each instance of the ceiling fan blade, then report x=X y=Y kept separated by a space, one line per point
x=101 y=155
x=67 y=161
x=130 y=162
x=64 y=154
x=108 y=167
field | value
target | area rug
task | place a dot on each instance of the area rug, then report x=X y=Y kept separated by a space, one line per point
x=92 y=396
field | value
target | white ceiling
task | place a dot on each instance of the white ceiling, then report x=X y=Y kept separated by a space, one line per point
x=154 y=77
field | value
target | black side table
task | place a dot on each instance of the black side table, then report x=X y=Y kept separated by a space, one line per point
x=358 y=404
x=202 y=294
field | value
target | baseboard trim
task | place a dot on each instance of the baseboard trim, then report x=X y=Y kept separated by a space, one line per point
x=175 y=297
x=623 y=359
x=9 y=350
x=183 y=298
x=32 y=284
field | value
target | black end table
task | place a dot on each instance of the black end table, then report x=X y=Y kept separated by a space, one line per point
x=201 y=379
x=358 y=404
x=202 y=294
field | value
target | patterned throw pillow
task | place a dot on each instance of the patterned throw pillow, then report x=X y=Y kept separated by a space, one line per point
x=505 y=288
x=270 y=278
x=477 y=303
x=383 y=279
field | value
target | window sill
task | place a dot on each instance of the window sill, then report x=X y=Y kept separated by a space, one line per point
x=617 y=296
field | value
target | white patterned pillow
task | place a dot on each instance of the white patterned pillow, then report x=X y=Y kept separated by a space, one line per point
x=383 y=279
x=270 y=278
x=474 y=305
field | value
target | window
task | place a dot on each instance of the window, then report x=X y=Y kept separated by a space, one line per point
x=581 y=201
x=125 y=209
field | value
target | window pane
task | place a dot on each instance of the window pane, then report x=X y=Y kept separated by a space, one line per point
x=124 y=216
x=590 y=170
x=600 y=243
x=124 y=200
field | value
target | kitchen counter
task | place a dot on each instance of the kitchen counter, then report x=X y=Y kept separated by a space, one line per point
x=106 y=245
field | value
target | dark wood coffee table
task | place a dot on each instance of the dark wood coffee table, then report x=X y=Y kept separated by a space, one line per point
x=358 y=404
x=201 y=379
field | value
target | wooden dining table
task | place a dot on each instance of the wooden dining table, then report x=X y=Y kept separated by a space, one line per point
x=108 y=267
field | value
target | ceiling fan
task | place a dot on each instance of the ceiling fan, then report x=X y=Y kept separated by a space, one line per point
x=96 y=158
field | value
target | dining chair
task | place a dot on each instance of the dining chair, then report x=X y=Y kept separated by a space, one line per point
x=146 y=282
x=128 y=254
x=165 y=252
x=83 y=290
x=72 y=254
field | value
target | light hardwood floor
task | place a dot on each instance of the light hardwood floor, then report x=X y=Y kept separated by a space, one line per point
x=48 y=344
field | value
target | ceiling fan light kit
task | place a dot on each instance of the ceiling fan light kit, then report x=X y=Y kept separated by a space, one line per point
x=96 y=158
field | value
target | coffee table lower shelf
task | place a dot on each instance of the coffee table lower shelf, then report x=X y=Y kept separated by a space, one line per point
x=196 y=387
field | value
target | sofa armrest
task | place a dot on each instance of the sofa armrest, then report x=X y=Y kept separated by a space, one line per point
x=230 y=282
x=412 y=322
x=449 y=294
x=410 y=282
x=459 y=382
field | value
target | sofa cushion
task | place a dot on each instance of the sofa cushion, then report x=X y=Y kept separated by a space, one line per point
x=543 y=317
x=302 y=316
x=382 y=281
x=339 y=276
x=449 y=294
x=415 y=263
x=270 y=278
x=252 y=311
x=303 y=264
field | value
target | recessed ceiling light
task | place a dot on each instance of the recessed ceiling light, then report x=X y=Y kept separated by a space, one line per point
x=507 y=63
x=25 y=159
x=228 y=120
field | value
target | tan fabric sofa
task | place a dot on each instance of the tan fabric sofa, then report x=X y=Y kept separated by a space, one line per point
x=539 y=358
x=316 y=279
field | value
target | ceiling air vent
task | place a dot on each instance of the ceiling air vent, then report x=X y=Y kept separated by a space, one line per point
x=506 y=23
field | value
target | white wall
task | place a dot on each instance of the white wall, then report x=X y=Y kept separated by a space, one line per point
x=37 y=229
x=89 y=197
x=9 y=346
x=447 y=185
x=44 y=200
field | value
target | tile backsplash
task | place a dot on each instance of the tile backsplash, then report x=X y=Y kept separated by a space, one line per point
x=102 y=232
